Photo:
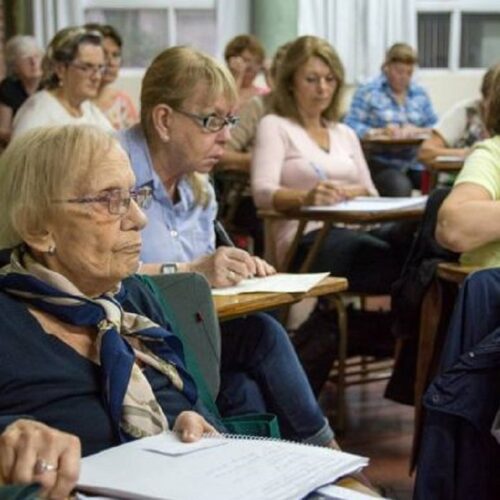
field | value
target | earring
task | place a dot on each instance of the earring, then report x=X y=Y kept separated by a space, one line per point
x=51 y=250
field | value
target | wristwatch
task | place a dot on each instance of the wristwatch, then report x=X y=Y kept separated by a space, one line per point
x=168 y=268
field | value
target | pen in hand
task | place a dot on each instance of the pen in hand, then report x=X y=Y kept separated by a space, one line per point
x=221 y=233
x=319 y=171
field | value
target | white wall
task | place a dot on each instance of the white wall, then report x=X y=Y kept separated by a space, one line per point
x=444 y=87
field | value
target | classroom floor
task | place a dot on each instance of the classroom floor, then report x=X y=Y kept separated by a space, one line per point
x=381 y=430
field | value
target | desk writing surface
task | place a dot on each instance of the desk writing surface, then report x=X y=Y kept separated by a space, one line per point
x=233 y=306
x=384 y=140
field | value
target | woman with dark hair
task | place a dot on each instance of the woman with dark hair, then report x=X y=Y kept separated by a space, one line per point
x=244 y=56
x=73 y=67
x=116 y=104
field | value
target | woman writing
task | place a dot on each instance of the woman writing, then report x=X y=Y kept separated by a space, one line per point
x=77 y=355
x=187 y=104
x=303 y=156
x=393 y=106
x=73 y=68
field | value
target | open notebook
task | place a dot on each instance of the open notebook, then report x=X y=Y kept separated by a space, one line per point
x=282 y=282
x=221 y=467
x=371 y=204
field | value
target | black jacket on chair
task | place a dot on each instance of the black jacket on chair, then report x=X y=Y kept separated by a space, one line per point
x=459 y=458
x=408 y=293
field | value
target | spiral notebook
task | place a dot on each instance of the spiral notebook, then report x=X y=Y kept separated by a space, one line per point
x=216 y=467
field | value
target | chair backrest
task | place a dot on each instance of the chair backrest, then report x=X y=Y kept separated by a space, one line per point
x=187 y=301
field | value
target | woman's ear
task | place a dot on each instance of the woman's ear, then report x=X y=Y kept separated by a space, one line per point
x=37 y=236
x=162 y=119
x=60 y=70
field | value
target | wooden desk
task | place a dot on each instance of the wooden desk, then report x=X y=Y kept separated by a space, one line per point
x=435 y=168
x=328 y=218
x=233 y=306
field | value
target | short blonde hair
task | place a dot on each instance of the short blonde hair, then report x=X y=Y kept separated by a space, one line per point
x=171 y=79
x=19 y=46
x=42 y=165
x=297 y=54
x=400 y=53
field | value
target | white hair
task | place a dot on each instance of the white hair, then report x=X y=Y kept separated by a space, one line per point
x=19 y=46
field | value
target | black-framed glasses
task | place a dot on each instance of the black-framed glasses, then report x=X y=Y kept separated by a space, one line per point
x=89 y=69
x=117 y=200
x=212 y=122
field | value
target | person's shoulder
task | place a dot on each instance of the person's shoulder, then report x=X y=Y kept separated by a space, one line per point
x=489 y=146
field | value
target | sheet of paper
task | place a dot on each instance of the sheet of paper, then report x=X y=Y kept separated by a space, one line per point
x=449 y=158
x=339 y=493
x=239 y=469
x=371 y=204
x=283 y=282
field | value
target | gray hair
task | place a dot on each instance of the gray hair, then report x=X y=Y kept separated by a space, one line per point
x=19 y=46
x=41 y=165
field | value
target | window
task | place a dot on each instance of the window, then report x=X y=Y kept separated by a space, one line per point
x=458 y=33
x=434 y=39
x=156 y=25
x=480 y=44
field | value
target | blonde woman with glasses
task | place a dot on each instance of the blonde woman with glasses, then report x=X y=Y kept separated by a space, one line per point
x=73 y=67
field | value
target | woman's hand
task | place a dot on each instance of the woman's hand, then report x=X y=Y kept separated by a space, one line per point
x=227 y=266
x=237 y=66
x=190 y=426
x=262 y=267
x=325 y=193
x=32 y=452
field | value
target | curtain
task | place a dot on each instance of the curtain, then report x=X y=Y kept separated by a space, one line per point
x=360 y=30
x=52 y=15
x=232 y=18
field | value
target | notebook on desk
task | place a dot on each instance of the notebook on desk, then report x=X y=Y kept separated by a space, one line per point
x=371 y=204
x=161 y=467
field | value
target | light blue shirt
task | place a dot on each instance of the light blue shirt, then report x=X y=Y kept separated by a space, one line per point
x=179 y=232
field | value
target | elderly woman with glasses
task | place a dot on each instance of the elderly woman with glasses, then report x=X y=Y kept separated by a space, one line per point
x=73 y=68
x=187 y=105
x=86 y=360
x=23 y=59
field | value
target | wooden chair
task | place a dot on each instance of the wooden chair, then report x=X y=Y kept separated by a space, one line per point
x=347 y=371
x=434 y=318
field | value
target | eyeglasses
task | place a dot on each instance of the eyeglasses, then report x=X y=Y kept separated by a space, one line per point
x=117 y=200
x=213 y=122
x=89 y=69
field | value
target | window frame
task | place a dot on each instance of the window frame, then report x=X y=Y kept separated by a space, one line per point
x=170 y=6
x=455 y=8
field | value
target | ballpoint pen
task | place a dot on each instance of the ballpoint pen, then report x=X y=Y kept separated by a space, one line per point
x=318 y=169
x=221 y=233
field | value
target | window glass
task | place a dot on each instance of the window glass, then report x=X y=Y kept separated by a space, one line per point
x=196 y=27
x=434 y=39
x=480 y=43
x=144 y=32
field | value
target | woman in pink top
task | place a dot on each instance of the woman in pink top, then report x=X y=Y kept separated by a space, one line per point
x=304 y=156
x=116 y=104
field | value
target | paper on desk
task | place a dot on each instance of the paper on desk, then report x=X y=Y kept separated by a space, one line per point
x=242 y=469
x=449 y=158
x=371 y=204
x=283 y=282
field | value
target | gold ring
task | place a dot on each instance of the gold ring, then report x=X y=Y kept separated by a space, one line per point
x=231 y=275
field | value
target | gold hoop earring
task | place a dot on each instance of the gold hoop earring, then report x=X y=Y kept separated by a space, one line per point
x=51 y=250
